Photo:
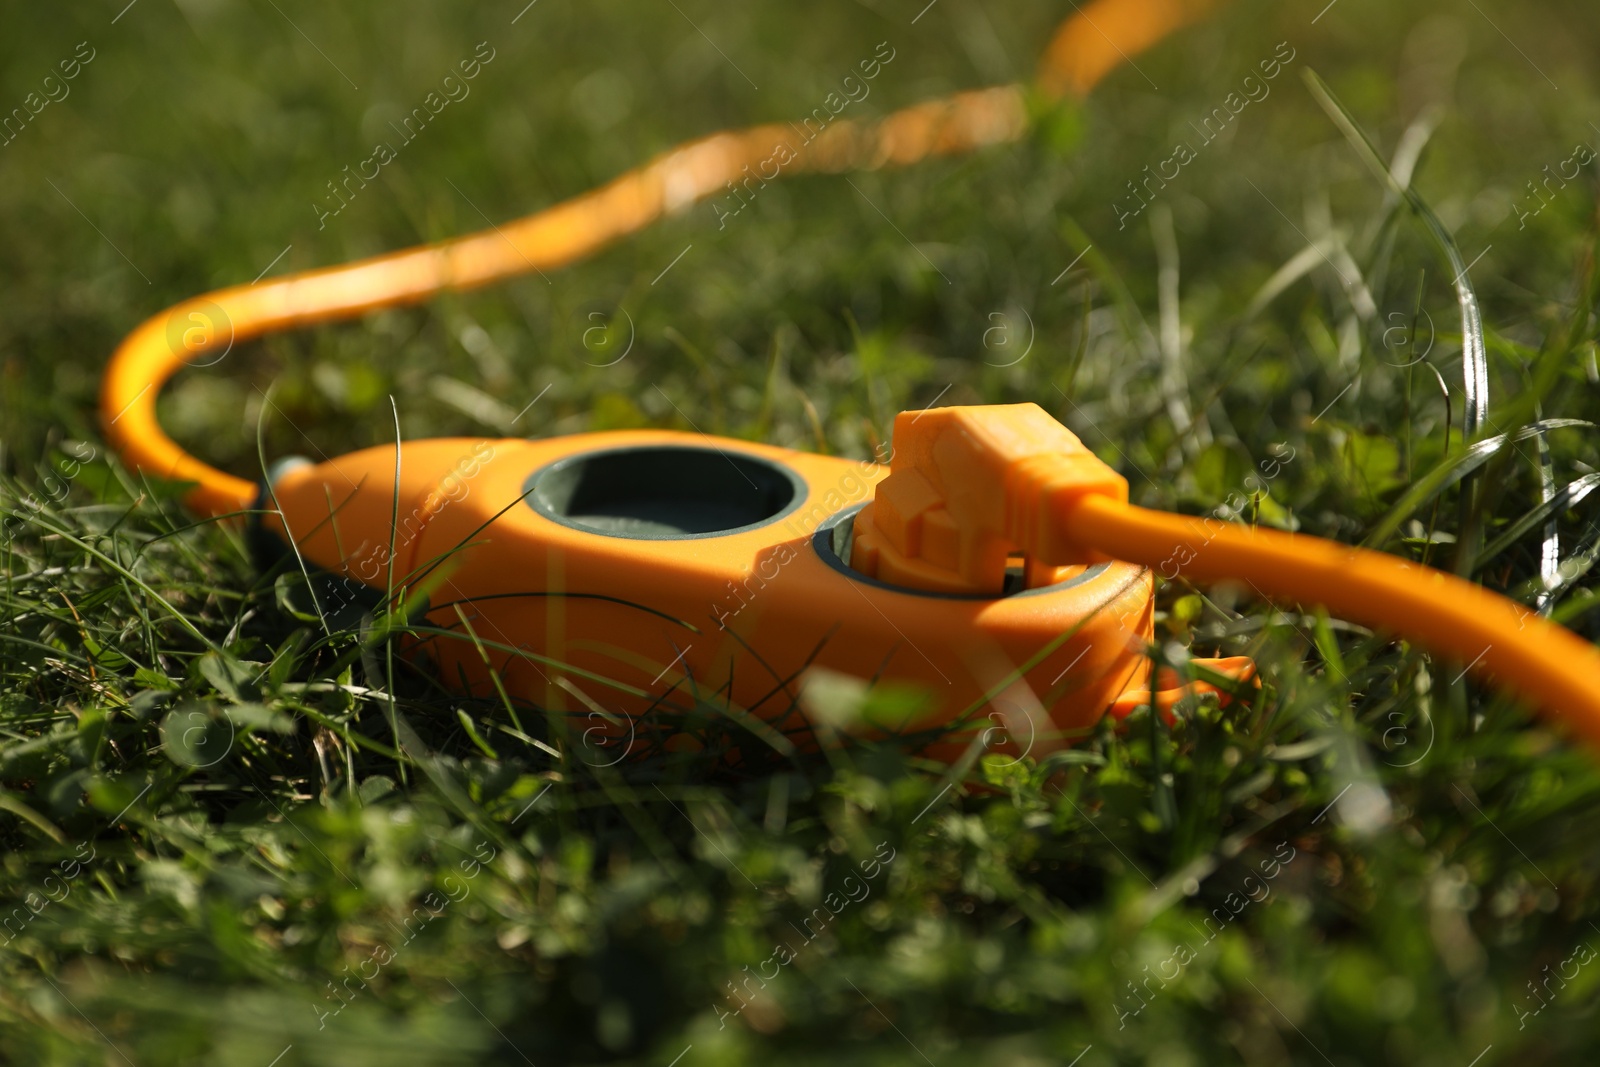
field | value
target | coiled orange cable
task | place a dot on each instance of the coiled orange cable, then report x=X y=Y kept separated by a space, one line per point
x=1086 y=47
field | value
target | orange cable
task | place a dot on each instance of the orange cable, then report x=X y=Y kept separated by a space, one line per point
x=1547 y=664
x=1087 y=46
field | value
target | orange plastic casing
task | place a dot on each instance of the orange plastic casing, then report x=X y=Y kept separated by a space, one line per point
x=644 y=628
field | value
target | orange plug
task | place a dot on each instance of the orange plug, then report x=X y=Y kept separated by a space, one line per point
x=969 y=488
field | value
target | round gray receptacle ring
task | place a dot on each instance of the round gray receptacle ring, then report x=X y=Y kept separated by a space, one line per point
x=664 y=492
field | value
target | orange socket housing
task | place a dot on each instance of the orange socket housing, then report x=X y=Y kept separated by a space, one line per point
x=642 y=571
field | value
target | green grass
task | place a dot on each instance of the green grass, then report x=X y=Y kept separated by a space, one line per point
x=205 y=824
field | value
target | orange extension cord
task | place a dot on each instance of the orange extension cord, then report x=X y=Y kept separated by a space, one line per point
x=1544 y=662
